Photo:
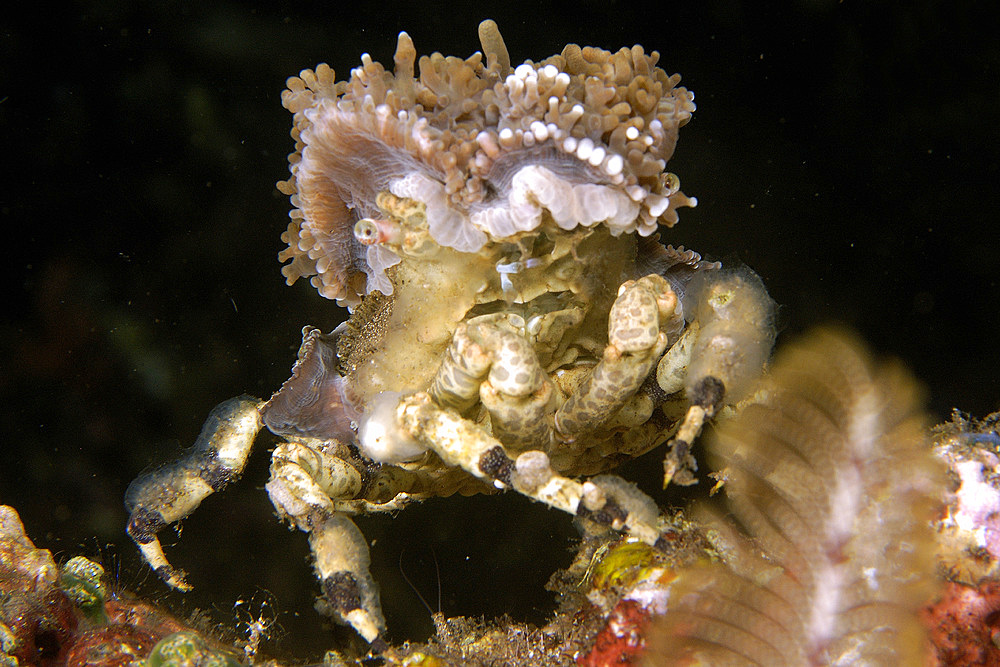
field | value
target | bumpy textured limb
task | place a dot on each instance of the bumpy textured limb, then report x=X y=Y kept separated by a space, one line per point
x=461 y=443
x=635 y=341
x=729 y=341
x=490 y=362
x=303 y=487
x=465 y=366
x=169 y=494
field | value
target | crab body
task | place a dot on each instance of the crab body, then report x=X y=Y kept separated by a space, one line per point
x=533 y=309
x=515 y=320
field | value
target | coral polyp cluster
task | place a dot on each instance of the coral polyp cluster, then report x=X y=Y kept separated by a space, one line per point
x=584 y=135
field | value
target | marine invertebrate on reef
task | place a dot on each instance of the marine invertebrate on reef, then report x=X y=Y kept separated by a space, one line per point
x=963 y=625
x=52 y=615
x=492 y=231
x=582 y=138
x=82 y=580
x=832 y=476
x=970 y=528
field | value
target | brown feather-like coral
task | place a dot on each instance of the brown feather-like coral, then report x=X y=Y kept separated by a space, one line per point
x=834 y=485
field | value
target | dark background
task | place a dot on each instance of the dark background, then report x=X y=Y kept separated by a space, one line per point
x=846 y=151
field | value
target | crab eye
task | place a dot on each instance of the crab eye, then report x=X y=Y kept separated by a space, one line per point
x=366 y=231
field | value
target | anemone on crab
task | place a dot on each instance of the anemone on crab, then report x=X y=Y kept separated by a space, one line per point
x=515 y=321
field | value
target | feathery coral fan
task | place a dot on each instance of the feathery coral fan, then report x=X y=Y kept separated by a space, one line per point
x=832 y=477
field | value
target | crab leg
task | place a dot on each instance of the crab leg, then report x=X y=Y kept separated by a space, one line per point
x=461 y=443
x=489 y=362
x=169 y=494
x=724 y=351
x=303 y=486
x=635 y=342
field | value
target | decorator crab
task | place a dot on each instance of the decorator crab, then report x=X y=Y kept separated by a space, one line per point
x=515 y=321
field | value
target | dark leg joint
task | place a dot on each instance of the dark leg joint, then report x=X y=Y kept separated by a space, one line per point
x=342 y=591
x=709 y=393
x=217 y=476
x=144 y=524
x=168 y=574
x=611 y=514
x=495 y=464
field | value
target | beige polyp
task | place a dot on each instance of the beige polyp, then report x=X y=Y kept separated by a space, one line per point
x=493 y=46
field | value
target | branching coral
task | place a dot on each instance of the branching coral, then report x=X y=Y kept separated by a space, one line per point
x=833 y=479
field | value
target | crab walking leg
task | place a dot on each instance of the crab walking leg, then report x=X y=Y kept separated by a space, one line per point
x=461 y=443
x=488 y=361
x=725 y=349
x=302 y=487
x=169 y=494
x=635 y=342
